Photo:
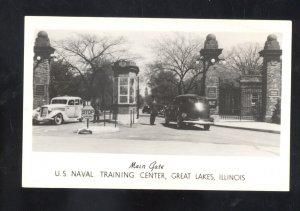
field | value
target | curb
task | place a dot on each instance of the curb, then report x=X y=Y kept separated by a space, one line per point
x=245 y=128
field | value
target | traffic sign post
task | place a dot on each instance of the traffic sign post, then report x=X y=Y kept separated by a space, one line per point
x=87 y=113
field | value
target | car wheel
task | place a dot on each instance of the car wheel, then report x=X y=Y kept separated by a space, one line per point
x=80 y=119
x=179 y=122
x=58 y=119
x=206 y=127
x=35 y=122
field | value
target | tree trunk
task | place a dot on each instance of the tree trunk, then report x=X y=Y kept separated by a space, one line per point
x=179 y=88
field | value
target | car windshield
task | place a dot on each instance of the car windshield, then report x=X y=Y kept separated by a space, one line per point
x=195 y=100
x=192 y=100
x=59 y=101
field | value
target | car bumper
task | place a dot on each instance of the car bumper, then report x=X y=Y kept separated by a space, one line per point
x=43 y=119
x=199 y=122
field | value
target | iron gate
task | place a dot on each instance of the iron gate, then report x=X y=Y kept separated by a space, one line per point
x=240 y=104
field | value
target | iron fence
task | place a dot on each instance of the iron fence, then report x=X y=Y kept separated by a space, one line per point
x=252 y=113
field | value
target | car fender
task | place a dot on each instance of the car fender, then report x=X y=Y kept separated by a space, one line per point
x=35 y=114
x=55 y=112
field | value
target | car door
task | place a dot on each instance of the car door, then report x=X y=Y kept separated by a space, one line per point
x=78 y=108
x=70 y=110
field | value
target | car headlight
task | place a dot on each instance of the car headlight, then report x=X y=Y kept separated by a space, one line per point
x=183 y=115
x=199 y=106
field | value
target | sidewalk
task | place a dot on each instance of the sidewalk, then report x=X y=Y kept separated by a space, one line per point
x=98 y=127
x=250 y=125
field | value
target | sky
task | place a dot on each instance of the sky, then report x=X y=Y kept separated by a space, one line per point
x=140 y=41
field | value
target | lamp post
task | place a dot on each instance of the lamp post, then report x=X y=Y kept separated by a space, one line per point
x=209 y=55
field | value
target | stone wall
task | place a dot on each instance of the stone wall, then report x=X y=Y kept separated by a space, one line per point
x=212 y=89
x=41 y=76
x=273 y=86
x=271 y=73
x=41 y=69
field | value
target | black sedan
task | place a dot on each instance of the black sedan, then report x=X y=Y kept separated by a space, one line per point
x=189 y=109
x=146 y=109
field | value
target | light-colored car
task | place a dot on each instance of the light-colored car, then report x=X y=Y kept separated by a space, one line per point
x=61 y=109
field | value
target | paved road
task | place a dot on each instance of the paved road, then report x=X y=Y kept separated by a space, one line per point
x=157 y=139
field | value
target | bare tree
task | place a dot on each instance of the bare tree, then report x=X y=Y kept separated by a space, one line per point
x=163 y=84
x=245 y=59
x=91 y=56
x=179 y=56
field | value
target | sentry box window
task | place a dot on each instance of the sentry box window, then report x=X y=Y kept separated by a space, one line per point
x=127 y=90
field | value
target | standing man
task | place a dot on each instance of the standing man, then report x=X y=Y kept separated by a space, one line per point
x=153 y=112
x=97 y=112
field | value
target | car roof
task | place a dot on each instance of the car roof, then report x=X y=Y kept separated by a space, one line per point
x=65 y=97
x=191 y=96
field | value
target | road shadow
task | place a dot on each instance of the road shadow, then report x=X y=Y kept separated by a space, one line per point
x=43 y=124
x=185 y=127
x=52 y=124
x=144 y=115
x=145 y=124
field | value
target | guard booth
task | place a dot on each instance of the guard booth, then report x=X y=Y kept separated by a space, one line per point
x=125 y=91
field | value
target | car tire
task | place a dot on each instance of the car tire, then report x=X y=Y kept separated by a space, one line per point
x=80 y=119
x=206 y=127
x=58 y=119
x=35 y=122
x=179 y=122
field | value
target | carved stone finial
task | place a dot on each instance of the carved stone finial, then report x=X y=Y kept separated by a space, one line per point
x=272 y=43
x=42 y=40
x=211 y=42
x=211 y=37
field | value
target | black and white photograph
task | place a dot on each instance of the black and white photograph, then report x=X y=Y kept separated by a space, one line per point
x=156 y=103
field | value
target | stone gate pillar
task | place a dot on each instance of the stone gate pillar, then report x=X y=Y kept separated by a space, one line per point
x=41 y=69
x=271 y=76
x=212 y=90
x=210 y=80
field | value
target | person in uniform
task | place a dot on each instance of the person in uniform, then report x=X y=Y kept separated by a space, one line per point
x=153 y=112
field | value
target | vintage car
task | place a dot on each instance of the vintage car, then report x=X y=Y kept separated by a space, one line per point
x=161 y=110
x=61 y=109
x=146 y=109
x=189 y=109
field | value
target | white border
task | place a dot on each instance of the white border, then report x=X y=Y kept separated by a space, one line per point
x=263 y=174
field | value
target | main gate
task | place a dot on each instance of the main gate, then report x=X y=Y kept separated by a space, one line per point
x=229 y=101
